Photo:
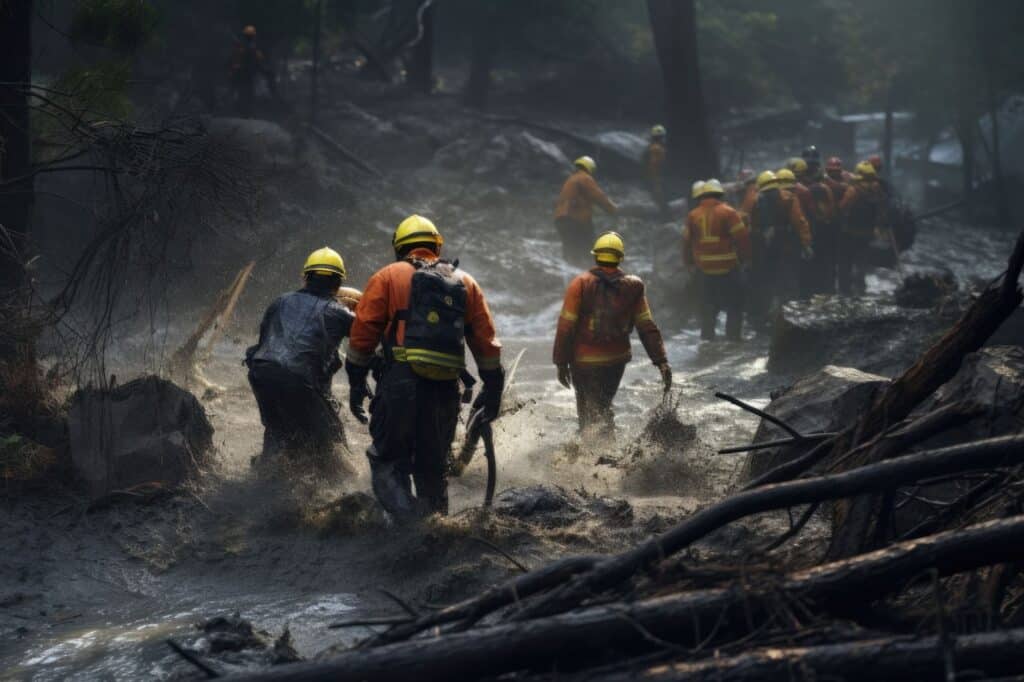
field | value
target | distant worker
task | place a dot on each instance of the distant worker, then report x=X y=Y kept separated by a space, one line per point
x=592 y=348
x=876 y=162
x=292 y=365
x=248 y=63
x=822 y=213
x=717 y=243
x=654 y=167
x=834 y=170
x=863 y=212
x=424 y=311
x=744 y=192
x=574 y=212
x=780 y=237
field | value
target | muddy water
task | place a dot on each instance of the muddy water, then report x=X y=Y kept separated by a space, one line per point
x=93 y=595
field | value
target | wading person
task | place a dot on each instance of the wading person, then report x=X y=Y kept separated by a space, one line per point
x=780 y=236
x=654 y=167
x=863 y=211
x=601 y=308
x=292 y=365
x=716 y=243
x=574 y=212
x=247 y=63
x=424 y=311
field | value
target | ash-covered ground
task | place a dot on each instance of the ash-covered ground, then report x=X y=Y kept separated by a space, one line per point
x=93 y=592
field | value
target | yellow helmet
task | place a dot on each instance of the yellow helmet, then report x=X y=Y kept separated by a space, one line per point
x=766 y=179
x=797 y=165
x=325 y=261
x=866 y=170
x=586 y=163
x=609 y=249
x=658 y=131
x=697 y=189
x=416 y=230
x=712 y=186
x=785 y=177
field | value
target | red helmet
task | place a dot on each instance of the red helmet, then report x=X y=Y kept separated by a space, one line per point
x=834 y=164
x=745 y=174
x=876 y=161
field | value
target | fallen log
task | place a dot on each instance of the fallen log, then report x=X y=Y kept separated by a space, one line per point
x=988 y=653
x=691 y=619
x=884 y=475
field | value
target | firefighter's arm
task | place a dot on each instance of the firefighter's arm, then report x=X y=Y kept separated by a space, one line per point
x=799 y=222
x=482 y=337
x=371 y=321
x=565 y=335
x=740 y=235
x=597 y=195
x=650 y=335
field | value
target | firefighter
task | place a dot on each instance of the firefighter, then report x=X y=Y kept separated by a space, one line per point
x=654 y=167
x=876 y=162
x=822 y=214
x=601 y=308
x=247 y=63
x=834 y=170
x=424 y=311
x=574 y=212
x=780 y=237
x=292 y=365
x=716 y=243
x=862 y=212
x=744 y=192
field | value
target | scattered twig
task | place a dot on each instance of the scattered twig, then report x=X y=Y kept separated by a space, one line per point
x=487 y=543
x=193 y=658
x=762 y=414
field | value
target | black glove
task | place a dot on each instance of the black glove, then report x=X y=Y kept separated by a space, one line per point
x=358 y=391
x=490 y=397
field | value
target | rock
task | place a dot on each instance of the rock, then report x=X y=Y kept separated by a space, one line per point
x=514 y=159
x=145 y=431
x=825 y=401
x=624 y=143
x=232 y=633
x=533 y=500
x=926 y=289
x=869 y=333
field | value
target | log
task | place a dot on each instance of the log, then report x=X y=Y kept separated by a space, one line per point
x=687 y=619
x=884 y=475
x=889 y=658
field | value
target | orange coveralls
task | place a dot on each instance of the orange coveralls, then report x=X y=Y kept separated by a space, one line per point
x=717 y=241
x=574 y=215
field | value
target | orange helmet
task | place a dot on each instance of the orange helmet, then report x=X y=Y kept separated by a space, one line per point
x=876 y=161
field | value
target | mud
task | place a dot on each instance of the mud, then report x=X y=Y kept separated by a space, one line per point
x=89 y=593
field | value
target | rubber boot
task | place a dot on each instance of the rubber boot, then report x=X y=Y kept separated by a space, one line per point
x=392 y=488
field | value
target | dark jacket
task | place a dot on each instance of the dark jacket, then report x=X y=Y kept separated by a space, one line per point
x=301 y=332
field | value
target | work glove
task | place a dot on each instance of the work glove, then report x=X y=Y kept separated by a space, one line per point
x=490 y=397
x=565 y=376
x=807 y=253
x=666 y=376
x=358 y=390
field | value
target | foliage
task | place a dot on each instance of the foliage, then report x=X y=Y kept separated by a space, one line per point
x=124 y=26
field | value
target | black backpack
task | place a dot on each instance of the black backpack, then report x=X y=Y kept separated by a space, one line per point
x=435 y=321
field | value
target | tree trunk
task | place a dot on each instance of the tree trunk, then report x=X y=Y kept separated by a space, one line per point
x=887 y=134
x=483 y=51
x=421 y=62
x=692 y=152
x=314 y=104
x=16 y=199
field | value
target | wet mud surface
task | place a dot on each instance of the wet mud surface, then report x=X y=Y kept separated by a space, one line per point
x=92 y=593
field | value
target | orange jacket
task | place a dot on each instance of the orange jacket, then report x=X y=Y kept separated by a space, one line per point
x=600 y=310
x=790 y=210
x=715 y=238
x=388 y=291
x=863 y=208
x=578 y=196
x=824 y=206
x=654 y=160
x=748 y=201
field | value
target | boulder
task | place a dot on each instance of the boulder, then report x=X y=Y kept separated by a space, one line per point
x=514 y=159
x=826 y=401
x=146 y=431
x=870 y=333
x=926 y=289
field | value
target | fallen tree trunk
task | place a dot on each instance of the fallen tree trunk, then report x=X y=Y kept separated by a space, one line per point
x=989 y=653
x=884 y=475
x=692 y=619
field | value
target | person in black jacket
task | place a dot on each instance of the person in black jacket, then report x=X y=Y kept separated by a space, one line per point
x=291 y=368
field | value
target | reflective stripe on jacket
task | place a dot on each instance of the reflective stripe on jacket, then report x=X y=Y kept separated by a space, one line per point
x=578 y=196
x=601 y=308
x=715 y=238
x=387 y=293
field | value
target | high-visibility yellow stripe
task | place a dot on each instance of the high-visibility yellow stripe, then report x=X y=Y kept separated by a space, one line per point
x=596 y=359
x=737 y=228
x=489 y=363
x=428 y=357
x=709 y=239
x=569 y=316
x=716 y=271
x=717 y=257
x=644 y=316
